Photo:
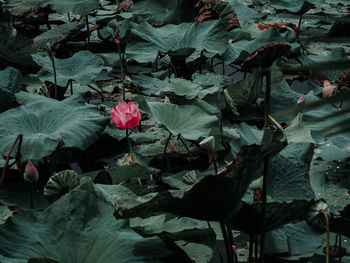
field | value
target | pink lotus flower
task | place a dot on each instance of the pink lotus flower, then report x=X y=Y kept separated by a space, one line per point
x=125 y=115
x=31 y=174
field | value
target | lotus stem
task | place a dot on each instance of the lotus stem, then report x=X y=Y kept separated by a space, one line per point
x=327 y=234
x=167 y=163
x=54 y=71
x=18 y=156
x=88 y=32
x=31 y=196
x=298 y=35
x=71 y=87
x=251 y=243
x=227 y=242
x=68 y=15
x=129 y=144
x=187 y=149
x=99 y=92
x=230 y=238
x=266 y=164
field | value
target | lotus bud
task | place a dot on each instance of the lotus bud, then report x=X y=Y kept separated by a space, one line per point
x=31 y=174
x=301 y=100
x=208 y=143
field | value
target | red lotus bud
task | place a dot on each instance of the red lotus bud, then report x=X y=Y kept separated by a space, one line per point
x=31 y=174
x=301 y=100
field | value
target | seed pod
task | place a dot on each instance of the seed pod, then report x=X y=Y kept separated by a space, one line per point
x=60 y=184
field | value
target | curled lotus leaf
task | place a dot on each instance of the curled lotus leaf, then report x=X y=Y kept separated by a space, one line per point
x=60 y=184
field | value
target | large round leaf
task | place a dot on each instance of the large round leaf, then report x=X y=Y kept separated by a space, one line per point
x=78 y=7
x=191 y=121
x=49 y=123
x=164 y=11
x=79 y=227
x=83 y=67
x=181 y=40
x=296 y=6
x=10 y=80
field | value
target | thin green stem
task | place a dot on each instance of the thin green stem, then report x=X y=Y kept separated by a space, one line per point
x=227 y=242
x=266 y=164
x=187 y=149
x=31 y=196
x=167 y=163
x=88 y=32
x=54 y=71
x=129 y=144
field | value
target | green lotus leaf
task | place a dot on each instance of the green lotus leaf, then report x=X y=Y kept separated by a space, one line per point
x=335 y=54
x=244 y=13
x=160 y=12
x=15 y=49
x=183 y=231
x=191 y=121
x=186 y=39
x=84 y=216
x=182 y=87
x=212 y=197
x=60 y=183
x=246 y=92
x=243 y=45
x=283 y=98
x=293 y=240
x=50 y=38
x=295 y=7
x=247 y=217
x=290 y=181
x=10 y=80
x=83 y=67
x=78 y=7
x=149 y=85
x=48 y=123
x=23 y=7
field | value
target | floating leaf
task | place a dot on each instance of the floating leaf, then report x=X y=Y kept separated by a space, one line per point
x=83 y=67
x=47 y=123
